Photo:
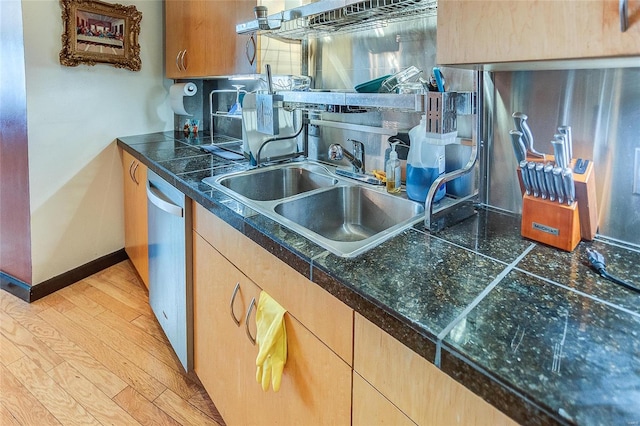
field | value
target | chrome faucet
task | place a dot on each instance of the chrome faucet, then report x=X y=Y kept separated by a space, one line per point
x=337 y=152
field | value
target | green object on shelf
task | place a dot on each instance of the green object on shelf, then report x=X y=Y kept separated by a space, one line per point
x=372 y=86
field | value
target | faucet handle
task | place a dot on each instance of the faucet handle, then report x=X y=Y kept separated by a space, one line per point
x=335 y=152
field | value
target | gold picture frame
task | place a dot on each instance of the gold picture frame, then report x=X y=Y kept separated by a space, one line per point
x=99 y=32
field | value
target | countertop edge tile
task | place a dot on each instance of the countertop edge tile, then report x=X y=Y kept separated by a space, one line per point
x=395 y=325
x=280 y=251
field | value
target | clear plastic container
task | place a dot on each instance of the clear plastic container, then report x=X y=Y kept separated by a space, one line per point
x=402 y=77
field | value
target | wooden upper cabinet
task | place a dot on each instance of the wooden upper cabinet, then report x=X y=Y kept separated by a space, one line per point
x=247 y=56
x=485 y=32
x=200 y=37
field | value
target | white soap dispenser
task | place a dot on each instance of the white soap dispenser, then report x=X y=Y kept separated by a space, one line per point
x=393 y=171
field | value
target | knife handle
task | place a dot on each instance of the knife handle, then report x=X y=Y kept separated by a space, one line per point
x=558 y=184
x=541 y=183
x=518 y=145
x=568 y=185
x=566 y=131
x=524 y=173
x=565 y=148
x=558 y=152
x=548 y=180
x=520 y=120
x=533 y=179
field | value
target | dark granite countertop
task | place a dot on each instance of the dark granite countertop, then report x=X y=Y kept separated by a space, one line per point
x=531 y=329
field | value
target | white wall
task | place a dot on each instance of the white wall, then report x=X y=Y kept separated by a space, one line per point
x=74 y=115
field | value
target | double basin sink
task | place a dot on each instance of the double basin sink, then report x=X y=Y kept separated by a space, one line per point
x=343 y=217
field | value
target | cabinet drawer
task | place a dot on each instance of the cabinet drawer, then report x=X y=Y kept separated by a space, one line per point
x=371 y=408
x=306 y=301
x=417 y=387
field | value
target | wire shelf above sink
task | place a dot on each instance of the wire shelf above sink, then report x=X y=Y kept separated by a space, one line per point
x=331 y=17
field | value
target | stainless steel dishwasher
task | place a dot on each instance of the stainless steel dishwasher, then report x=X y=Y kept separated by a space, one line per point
x=170 y=271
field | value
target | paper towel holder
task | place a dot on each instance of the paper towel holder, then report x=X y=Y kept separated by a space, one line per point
x=117 y=42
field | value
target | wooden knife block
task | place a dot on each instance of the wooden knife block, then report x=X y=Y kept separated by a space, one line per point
x=550 y=222
x=585 y=196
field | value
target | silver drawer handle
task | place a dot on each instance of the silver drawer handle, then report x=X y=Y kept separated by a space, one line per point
x=250 y=49
x=233 y=298
x=252 y=304
x=624 y=16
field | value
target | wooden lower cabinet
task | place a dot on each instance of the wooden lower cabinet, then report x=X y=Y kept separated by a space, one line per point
x=341 y=368
x=414 y=385
x=135 y=214
x=316 y=383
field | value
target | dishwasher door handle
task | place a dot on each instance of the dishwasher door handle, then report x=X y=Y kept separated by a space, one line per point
x=156 y=198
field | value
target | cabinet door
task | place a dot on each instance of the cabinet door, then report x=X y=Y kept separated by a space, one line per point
x=222 y=352
x=200 y=37
x=417 y=387
x=135 y=215
x=316 y=383
x=471 y=32
x=246 y=51
x=315 y=388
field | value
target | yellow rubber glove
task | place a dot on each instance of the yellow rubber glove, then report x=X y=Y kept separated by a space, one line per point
x=271 y=337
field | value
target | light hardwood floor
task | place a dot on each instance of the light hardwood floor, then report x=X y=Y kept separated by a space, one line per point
x=93 y=353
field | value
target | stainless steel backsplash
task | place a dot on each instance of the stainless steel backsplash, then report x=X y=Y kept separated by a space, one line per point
x=603 y=108
x=343 y=61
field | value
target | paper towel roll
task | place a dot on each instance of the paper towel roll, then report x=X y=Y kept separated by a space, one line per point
x=177 y=92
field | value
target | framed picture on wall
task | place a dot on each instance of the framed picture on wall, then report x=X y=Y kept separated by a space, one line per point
x=99 y=32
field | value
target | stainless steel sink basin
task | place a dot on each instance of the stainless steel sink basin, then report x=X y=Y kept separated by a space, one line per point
x=349 y=213
x=344 y=217
x=276 y=183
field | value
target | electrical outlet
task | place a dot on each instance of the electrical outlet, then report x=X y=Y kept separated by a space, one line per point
x=636 y=173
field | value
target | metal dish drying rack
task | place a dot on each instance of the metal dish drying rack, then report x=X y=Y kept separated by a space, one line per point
x=224 y=142
x=331 y=17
